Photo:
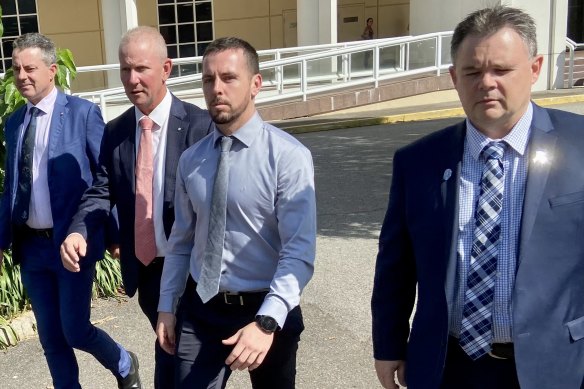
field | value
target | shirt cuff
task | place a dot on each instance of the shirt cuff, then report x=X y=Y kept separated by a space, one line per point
x=167 y=304
x=275 y=307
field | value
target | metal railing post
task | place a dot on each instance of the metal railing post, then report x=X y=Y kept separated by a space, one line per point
x=304 y=79
x=438 y=54
x=103 y=106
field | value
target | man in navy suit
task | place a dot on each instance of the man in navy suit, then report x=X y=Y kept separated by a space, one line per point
x=485 y=221
x=52 y=151
x=144 y=69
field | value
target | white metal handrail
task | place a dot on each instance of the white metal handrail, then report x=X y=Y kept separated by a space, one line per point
x=334 y=64
x=572 y=47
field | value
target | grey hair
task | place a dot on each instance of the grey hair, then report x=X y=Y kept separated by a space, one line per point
x=487 y=21
x=37 y=40
x=146 y=32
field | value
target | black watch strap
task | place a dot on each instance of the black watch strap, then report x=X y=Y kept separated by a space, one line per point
x=267 y=323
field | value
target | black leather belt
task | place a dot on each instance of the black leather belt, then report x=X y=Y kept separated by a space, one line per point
x=502 y=351
x=240 y=298
x=26 y=231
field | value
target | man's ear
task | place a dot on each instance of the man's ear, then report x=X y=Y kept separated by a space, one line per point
x=256 y=84
x=452 y=72
x=166 y=68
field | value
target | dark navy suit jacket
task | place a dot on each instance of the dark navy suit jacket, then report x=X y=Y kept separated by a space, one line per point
x=115 y=182
x=418 y=240
x=75 y=134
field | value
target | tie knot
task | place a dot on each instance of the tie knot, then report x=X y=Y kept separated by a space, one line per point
x=33 y=111
x=226 y=143
x=494 y=150
x=146 y=123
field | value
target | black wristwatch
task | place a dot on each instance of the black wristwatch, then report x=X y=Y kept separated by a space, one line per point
x=267 y=323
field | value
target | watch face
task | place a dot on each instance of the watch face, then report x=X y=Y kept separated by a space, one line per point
x=268 y=324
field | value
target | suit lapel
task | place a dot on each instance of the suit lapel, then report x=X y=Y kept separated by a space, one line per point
x=175 y=139
x=542 y=140
x=60 y=111
x=449 y=192
x=449 y=187
x=127 y=150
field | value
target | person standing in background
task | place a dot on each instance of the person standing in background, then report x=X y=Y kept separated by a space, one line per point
x=368 y=35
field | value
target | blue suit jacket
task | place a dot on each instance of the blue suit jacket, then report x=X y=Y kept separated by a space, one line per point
x=115 y=182
x=73 y=149
x=418 y=243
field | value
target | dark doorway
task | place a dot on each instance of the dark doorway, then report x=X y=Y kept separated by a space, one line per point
x=576 y=20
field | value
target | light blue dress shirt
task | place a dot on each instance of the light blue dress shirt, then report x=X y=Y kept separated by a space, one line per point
x=270 y=234
x=515 y=167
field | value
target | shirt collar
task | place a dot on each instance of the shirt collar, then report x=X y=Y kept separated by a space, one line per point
x=246 y=133
x=517 y=138
x=159 y=114
x=46 y=104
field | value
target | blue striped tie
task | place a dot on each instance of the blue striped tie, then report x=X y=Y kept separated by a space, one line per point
x=476 y=333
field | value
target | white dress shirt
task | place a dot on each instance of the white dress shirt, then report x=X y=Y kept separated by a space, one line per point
x=40 y=216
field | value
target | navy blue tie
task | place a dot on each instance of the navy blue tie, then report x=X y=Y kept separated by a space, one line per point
x=24 y=187
x=476 y=333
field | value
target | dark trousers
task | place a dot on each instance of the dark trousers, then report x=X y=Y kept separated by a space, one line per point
x=461 y=372
x=148 y=294
x=61 y=302
x=200 y=355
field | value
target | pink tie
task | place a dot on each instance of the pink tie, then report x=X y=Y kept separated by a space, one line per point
x=145 y=242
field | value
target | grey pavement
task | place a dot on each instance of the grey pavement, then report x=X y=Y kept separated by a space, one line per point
x=353 y=171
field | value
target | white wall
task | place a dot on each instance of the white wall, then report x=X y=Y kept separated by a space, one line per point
x=550 y=15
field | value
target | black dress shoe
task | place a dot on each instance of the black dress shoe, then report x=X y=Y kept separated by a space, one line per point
x=132 y=380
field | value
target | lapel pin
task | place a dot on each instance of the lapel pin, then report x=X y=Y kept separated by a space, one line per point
x=178 y=129
x=447 y=174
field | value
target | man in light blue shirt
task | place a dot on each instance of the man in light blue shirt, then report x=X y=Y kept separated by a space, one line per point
x=253 y=320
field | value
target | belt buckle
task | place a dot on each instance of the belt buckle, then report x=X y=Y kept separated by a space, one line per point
x=225 y=294
x=496 y=356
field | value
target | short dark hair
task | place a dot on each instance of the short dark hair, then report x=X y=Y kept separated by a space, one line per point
x=368 y=19
x=487 y=21
x=230 y=43
x=37 y=40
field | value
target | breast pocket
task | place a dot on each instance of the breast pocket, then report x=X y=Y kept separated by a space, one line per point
x=567 y=199
x=576 y=329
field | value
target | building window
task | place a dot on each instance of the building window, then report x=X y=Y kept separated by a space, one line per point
x=187 y=27
x=18 y=17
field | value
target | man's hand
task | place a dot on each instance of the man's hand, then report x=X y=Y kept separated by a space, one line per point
x=251 y=347
x=73 y=248
x=386 y=371
x=114 y=251
x=165 y=331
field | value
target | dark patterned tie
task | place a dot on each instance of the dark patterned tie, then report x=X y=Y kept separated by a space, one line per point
x=24 y=188
x=476 y=332
x=208 y=284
